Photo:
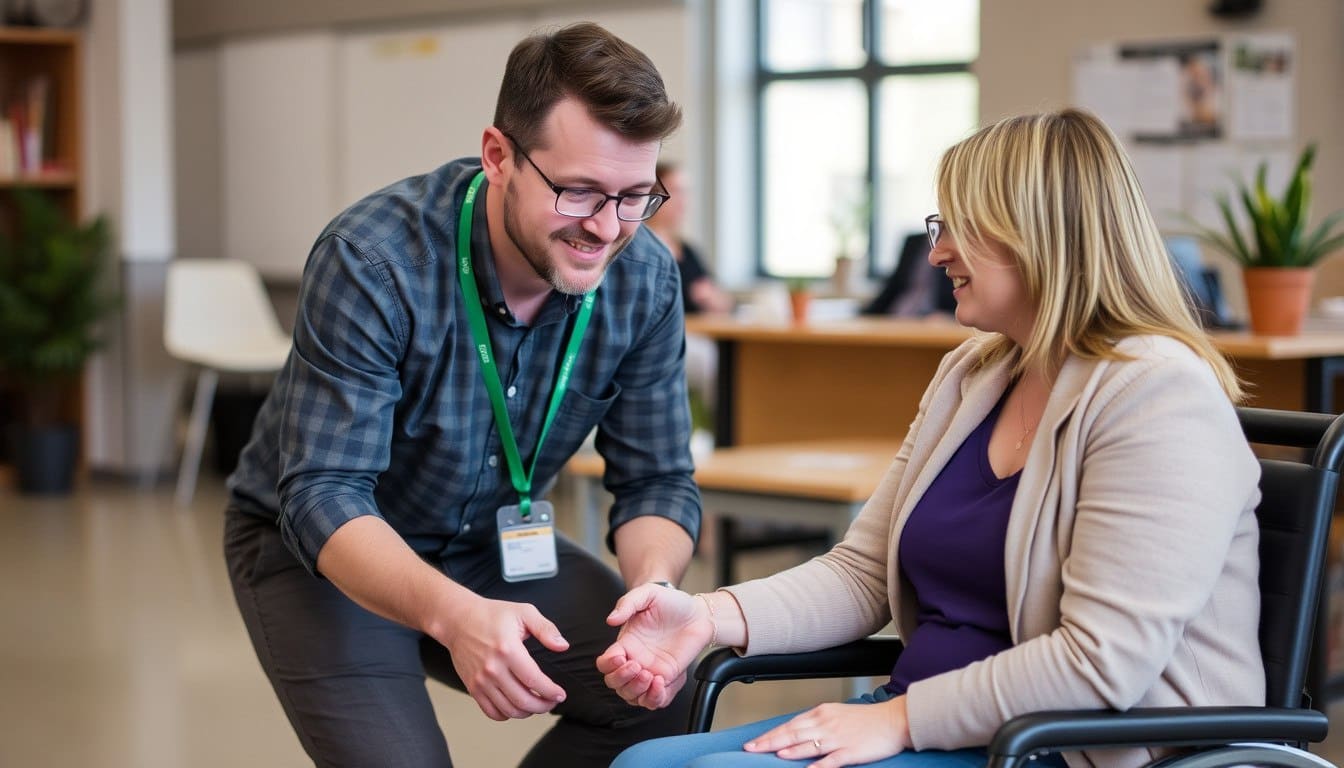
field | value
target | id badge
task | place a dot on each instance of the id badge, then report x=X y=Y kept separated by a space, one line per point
x=527 y=547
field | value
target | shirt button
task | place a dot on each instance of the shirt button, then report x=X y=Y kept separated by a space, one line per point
x=466 y=527
x=493 y=461
x=502 y=310
x=512 y=391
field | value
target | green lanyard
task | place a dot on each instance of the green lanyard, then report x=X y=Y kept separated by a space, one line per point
x=522 y=479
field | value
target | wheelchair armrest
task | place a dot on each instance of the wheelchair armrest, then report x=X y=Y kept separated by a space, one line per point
x=1155 y=727
x=861 y=658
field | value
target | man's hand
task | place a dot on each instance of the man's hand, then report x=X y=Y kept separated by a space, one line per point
x=486 y=643
x=662 y=631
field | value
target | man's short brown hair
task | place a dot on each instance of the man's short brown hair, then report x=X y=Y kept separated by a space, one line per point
x=617 y=83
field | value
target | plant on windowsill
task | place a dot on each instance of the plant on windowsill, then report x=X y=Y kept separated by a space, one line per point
x=51 y=304
x=849 y=222
x=1279 y=252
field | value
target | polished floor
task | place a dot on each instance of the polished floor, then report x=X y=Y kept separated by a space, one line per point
x=121 y=646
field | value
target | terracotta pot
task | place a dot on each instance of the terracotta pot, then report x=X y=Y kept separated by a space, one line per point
x=1277 y=298
x=798 y=302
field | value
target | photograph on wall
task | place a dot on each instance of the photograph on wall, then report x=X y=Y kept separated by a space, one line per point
x=1192 y=90
x=1260 y=86
x=1153 y=92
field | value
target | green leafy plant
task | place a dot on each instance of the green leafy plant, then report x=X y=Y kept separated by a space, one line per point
x=51 y=300
x=798 y=284
x=1278 y=232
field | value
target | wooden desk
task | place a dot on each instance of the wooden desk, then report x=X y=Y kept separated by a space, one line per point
x=780 y=382
x=817 y=482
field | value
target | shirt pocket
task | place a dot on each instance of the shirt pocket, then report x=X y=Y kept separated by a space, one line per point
x=577 y=416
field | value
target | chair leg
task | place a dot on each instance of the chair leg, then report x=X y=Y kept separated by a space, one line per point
x=195 y=445
x=727 y=547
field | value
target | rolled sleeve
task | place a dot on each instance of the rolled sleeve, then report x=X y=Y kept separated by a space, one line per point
x=645 y=436
x=342 y=387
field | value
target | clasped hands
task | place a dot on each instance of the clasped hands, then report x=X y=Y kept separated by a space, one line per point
x=663 y=630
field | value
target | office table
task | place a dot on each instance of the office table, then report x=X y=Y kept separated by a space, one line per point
x=863 y=377
x=818 y=482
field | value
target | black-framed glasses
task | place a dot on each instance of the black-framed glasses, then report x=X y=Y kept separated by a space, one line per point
x=582 y=202
x=934 y=225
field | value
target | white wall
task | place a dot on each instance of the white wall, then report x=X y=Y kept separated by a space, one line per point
x=311 y=121
x=279 y=159
x=128 y=143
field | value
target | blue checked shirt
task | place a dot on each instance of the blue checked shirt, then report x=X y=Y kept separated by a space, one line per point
x=381 y=408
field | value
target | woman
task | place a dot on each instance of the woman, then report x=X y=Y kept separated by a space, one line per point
x=700 y=295
x=1069 y=523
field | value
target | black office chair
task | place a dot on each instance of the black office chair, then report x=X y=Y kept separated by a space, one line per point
x=913 y=256
x=1294 y=516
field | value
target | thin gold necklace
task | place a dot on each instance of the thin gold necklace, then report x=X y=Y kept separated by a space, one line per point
x=1022 y=409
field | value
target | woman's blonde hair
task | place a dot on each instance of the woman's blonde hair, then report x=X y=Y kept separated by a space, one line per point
x=1058 y=191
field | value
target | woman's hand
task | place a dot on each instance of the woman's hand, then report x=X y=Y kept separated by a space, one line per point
x=839 y=734
x=662 y=631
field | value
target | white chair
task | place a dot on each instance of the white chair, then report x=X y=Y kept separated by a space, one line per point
x=217 y=317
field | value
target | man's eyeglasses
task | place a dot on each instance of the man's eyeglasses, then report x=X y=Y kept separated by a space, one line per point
x=934 y=225
x=581 y=202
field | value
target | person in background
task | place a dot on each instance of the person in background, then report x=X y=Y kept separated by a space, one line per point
x=914 y=288
x=1069 y=523
x=700 y=294
x=459 y=335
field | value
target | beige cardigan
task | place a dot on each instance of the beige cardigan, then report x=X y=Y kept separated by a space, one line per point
x=1131 y=551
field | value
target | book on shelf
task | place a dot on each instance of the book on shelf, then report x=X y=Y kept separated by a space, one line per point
x=25 y=124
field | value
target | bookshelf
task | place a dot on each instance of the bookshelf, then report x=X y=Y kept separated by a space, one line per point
x=39 y=96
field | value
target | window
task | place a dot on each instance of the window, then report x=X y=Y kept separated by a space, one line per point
x=857 y=101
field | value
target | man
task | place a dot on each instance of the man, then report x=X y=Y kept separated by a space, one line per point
x=458 y=336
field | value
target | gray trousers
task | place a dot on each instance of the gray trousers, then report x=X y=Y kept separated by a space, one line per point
x=353 y=684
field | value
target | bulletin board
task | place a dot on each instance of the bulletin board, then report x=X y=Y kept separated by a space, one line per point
x=1196 y=115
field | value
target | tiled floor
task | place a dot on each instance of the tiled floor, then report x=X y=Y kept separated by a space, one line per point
x=120 y=646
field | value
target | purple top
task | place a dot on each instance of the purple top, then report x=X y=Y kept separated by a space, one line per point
x=951 y=552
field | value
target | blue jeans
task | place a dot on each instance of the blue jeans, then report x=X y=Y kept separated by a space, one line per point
x=723 y=749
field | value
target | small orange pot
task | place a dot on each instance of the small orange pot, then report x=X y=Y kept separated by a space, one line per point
x=799 y=302
x=1277 y=298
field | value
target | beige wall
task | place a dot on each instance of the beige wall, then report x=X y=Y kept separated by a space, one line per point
x=196 y=21
x=1026 y=47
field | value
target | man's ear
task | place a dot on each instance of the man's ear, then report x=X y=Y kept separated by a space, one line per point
x=496 y=155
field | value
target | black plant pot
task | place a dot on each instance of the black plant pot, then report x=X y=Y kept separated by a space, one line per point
x=44 y=457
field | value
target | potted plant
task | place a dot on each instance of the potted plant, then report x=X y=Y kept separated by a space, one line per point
x=849 y=222
x=800 y=297
x=51 y=303
x=1279 y=251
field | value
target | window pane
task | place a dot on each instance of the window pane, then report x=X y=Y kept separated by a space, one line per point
x=921 y=117
x=918 y=31
x=815 y=160
x=812 y=34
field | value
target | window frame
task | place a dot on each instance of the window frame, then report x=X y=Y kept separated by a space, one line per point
x=870 y=74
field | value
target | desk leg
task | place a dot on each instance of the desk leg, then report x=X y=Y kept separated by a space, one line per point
x=725 y=383
x=586 y=492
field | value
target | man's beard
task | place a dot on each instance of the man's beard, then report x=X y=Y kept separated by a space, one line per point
x=538 y=256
